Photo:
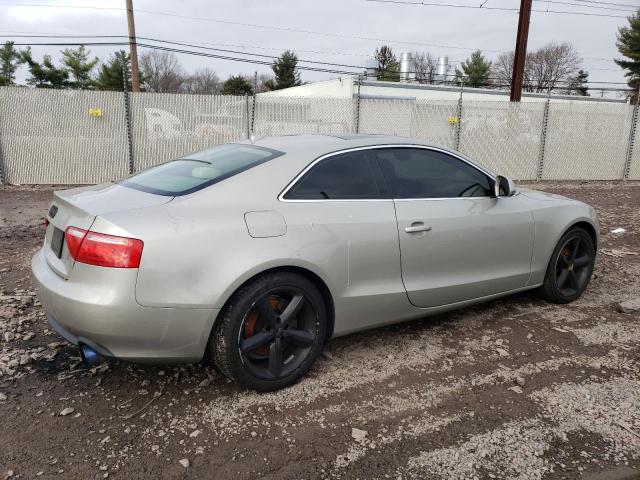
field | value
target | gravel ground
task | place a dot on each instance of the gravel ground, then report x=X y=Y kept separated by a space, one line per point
x=515 y=388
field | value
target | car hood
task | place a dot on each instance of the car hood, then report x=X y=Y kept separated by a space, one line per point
x=542 y=196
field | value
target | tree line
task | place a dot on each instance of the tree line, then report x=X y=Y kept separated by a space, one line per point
x=160 y=72
x=553 y=67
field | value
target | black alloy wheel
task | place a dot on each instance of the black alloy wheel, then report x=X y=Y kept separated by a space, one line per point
x=271 y=332
x=570 y=267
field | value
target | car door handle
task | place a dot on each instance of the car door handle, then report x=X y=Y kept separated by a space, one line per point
x=417 y=227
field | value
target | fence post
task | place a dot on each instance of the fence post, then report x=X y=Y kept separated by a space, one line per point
x=459 y=115
x=253 y=109
x=127 y=115
x=246 y=105
x=3 y=174
x=357 y=119
x=543 y=136
x=632 y=138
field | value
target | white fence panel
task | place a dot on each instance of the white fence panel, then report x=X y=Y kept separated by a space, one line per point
x=167 y=126
x=49 y=136
x=386 y=116
x=503 y=136
x=435 y=121
x=587 y=141
x=277 y=115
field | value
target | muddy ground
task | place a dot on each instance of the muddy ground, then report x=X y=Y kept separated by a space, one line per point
x=515 y=388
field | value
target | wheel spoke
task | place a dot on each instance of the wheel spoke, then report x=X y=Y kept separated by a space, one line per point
x=576 y=245
x=292 y=309
x=266 y=311
x=562 y=278
x=255 y=341
x=301 y=337
x=275 y=358
x=581 y=261
x=573 y=280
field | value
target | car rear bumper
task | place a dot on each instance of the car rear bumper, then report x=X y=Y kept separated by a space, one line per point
x=96 y=306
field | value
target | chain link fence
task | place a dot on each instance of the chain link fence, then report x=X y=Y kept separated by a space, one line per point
x=279 y=115
x=587 y=141
x=78 y=137
x=632 y=170
x=62 y=136
x=165 y=126
x=505 y=136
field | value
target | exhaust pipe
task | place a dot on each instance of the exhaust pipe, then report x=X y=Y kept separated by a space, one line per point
x=89 y=356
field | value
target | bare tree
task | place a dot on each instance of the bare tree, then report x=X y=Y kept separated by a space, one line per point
x=502 y=69
x=424 y=65
x=203 y=82
x=551 y=67
x=161 y=71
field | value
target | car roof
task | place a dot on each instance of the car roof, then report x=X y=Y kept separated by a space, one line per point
x=319 y=144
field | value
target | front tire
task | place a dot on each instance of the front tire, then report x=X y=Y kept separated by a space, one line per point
x=570 y=267
x=270 y=332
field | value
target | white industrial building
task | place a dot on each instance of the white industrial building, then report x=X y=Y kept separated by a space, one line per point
x=347 y=87
x=408 y=89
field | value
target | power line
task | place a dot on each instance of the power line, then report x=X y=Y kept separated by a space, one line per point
x=269 y=27
x=17 y=34
x=22 y=34
x=584 y=5
x=271 y=57
x=288 y=29
x=84 y=7
x=505 y=9
x=609 y=3
x=154 y=12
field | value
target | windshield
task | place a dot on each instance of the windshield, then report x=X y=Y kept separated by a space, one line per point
x=199 y=170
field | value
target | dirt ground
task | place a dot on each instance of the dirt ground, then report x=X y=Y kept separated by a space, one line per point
x=515 y=388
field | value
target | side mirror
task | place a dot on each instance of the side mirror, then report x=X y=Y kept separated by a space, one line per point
x=504 y=187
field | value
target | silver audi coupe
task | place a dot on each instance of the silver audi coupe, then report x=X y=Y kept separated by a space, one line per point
x=253 y=254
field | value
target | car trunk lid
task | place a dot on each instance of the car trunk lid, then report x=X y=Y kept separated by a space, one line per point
x=79 y=207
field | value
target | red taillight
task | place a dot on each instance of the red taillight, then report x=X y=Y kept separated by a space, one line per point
x=103 y=250
x=46 y=222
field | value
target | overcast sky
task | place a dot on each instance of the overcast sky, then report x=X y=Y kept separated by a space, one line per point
x=331 y=26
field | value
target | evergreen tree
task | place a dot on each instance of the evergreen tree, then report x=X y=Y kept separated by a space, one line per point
x=45 y=74
x=110 y=75
x=79 y=66
x=388 y=65
x=237 y=85
x=475 y=71
x=285 y=69
x=10 y=58
x=628 y=44
x=580 y=83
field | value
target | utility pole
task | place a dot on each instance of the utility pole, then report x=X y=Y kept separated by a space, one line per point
x=133 y=51
x=520 y=51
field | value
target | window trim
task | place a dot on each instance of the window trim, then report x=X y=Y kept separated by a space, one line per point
x=292 y=183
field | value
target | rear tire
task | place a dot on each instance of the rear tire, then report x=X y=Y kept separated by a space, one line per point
x=270 y=332
x=570 y=267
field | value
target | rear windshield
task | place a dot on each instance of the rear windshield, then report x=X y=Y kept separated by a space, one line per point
x=199 y=170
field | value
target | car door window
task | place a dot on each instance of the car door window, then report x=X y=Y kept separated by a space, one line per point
x=423 y=173
x=347 y=176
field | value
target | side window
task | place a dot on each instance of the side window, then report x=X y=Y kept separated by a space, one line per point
x=352 y=175
x=422 y=173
